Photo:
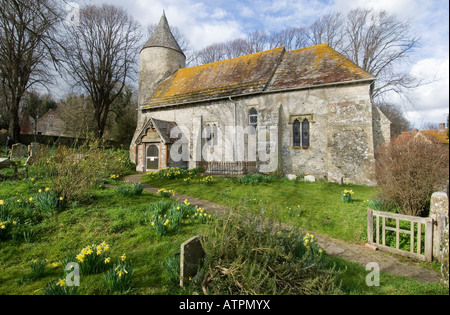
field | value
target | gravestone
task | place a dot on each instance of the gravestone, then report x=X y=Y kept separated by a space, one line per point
x=191 y=256
x=309 y=178
x=37 y=151
x=291 y=176
x=18 y=151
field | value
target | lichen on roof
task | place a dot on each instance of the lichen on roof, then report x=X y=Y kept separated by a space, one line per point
x=245 y=74
x=271 y=70
x=315 y=65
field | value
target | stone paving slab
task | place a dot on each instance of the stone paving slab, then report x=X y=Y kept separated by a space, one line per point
x=349 y=251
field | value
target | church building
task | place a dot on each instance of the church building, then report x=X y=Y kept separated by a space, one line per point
x=283 y=112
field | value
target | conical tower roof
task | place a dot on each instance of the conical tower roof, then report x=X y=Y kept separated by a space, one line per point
x=163 y=37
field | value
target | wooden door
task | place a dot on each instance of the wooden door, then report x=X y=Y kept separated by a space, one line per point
x=152 y=157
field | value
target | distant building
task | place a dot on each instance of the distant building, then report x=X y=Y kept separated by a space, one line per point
x=50 y=124
x=438 y=135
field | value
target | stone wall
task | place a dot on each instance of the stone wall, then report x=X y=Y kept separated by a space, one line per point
x=341 y=130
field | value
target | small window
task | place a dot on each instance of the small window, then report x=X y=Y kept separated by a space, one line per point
x=296 y=133
x=253 y=119
x=305 y=133
x=253 y=116
x=51 y=116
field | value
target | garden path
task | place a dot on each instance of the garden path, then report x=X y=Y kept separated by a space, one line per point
x=349 y=251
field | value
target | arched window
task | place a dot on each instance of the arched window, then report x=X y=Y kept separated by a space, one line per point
x=305 y=133
x=296 y=133
x=253 y=117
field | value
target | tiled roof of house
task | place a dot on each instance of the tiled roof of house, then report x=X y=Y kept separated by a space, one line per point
x=267 y=71
x=437 y=135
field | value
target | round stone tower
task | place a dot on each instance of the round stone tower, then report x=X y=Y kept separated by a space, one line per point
x=160 y=57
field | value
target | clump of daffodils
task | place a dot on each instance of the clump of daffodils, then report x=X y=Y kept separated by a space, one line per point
x=208 y=180
x=346 y=195
x=166 y=193
x=93 y=258
x=118 y=278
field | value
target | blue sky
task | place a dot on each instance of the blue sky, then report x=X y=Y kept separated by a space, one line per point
x=206 y=21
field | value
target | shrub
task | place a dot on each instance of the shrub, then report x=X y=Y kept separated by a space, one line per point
x=129 y=190
x=76 y=170
x=256 y=179
x=246 y=256
x=409 y=171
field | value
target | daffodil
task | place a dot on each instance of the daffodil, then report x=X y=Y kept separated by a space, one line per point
x=123 y=257
x=107 y=260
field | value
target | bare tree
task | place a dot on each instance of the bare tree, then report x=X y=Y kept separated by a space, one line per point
x=290 y=38
x=380 y=43
x=101 y=54
x=398 y=121
x=327 y=29
x=27 y=49
x=76 y=111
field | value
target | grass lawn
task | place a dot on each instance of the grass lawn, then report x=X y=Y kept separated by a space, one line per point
x=312 y=206
x=124 y=224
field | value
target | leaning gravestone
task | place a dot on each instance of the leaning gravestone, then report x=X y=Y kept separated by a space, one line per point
x=191 y=256
x=18 y=151
x=37 y=151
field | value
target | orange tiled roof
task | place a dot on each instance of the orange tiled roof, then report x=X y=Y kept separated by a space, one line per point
x=436 y=134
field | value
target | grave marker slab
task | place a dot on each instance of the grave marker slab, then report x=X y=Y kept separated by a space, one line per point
x=191 y=256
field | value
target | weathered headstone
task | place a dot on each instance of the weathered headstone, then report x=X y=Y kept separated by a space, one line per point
x=309 y=178
x=191 y=256
x=37 y=151
x=18 y=151
x=291 y=176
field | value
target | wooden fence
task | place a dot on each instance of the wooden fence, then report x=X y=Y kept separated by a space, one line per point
x=377 y=227
x=228 y=168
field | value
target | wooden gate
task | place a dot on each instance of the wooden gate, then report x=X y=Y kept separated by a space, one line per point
x=420 y=237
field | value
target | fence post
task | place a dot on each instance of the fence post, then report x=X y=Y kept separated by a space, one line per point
x=439 y=214
x=370 y=225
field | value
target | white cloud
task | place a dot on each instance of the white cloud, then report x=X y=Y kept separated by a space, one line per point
x=431 y=101
x=204 y=34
